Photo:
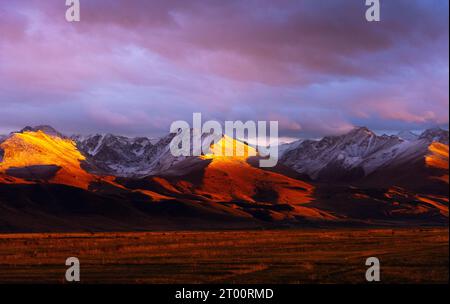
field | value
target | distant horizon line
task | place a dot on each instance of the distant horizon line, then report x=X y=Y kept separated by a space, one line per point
x=283 y=139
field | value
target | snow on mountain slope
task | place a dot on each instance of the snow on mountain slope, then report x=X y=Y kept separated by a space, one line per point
x=127 y=157
x=34 y=157
x=122 y=156
x=225 y=177
x=350 y=156
x=283 y=148
x=407 y=135
x=335 y=154
x=358 y=153
x=430 y=141
x=232 y=178
x=37 y=153
x=435 y=135
x=230 y=184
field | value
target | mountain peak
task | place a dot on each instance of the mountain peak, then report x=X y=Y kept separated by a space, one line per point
x=407 y=135
x=361 y=131
x=49 y=130
x=436 y=135
x=435 y=130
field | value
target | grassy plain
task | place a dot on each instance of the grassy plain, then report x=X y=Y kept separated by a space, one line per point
x=273 y=256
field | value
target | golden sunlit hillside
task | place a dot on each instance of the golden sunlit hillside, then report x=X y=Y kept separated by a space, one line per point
x=438 y=158
x=229 y=149
x=226 y=180
x=31 y=149
x=28 y=149
x=231 y=178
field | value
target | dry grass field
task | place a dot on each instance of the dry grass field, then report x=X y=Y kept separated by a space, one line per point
x=282 y=256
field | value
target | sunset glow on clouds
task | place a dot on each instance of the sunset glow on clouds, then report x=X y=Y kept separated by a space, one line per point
x=133 y=67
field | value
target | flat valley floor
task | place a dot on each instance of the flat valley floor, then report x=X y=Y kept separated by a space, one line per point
x=413 y=255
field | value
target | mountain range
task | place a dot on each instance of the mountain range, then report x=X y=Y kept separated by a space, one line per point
x=103 y=182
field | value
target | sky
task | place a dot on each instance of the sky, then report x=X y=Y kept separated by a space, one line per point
x=133 y=67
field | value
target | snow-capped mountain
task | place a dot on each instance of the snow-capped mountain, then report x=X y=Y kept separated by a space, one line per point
x=358 y=153
x=353 y=155
x=435 y=135
x=407 y=135
x=131 y=157
x=283 y=148
x=137 y=181
x=44 y=128
x=350 y=156
x=120 y=155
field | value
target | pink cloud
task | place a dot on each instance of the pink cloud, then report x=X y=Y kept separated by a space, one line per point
x=320 y=69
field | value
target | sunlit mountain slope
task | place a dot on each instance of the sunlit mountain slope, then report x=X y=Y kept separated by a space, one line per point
x=438 y=158
x=58 y=182
x=37 y=149
x=34 y=156
x=229 y=178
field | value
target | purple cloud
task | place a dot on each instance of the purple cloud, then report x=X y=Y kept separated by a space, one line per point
x=132 y=67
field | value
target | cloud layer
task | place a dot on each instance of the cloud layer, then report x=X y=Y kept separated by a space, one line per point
x=133 y=67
